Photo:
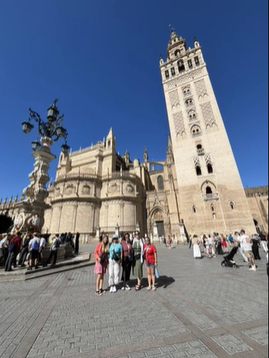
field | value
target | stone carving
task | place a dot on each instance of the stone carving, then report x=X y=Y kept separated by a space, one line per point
x=18 y=221
x=34 y=221
x=179 y=123
x=113 y=188
x=86 y=189
x=69 y=189
x=208 y=114
x=145 y=155
x=129 y=188
x=200 y=88
x=174 y=98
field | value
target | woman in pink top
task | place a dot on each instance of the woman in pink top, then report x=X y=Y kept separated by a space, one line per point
x=101 y=261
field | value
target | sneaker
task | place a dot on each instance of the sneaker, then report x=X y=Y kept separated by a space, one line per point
x=111 y=289
x=253 y=268
x=127 y=287
x=153 y=288
x=114 y=289
x=123 y=288
x=149 y=288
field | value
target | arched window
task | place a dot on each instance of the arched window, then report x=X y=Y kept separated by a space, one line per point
x=231 y=205
x=199 y=146
x=212 y=207
x=181 y=66
x=186 y=91
x=208 y=190
x=192 y=114
x=214 y=216
x=195 y=130
x=198 y=170
x=160 y=183
x=194 y=209
x=209 y=168
x=189 y=102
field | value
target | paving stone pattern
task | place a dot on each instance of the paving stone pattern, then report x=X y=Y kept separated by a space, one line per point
x=199 y=309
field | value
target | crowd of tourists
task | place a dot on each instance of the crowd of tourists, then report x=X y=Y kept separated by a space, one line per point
x=218 y=244
x=17 y=250
x=121 y=257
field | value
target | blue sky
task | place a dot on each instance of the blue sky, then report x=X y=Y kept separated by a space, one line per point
x=100 y=58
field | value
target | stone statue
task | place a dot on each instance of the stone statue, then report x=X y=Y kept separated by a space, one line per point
x=145 y=155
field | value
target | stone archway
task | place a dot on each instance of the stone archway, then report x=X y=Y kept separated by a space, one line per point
x=158 y=222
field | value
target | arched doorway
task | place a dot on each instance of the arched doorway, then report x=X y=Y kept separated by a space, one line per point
x=159 y=222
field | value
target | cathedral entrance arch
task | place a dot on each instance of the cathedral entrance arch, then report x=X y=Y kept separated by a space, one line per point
x=158 y=222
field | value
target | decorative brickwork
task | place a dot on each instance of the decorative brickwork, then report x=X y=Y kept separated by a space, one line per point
x=200 y=88
x=208 y=114
x=174 y=98
x=179 y=123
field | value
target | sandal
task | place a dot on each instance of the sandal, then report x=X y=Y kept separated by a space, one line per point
x=137 y=287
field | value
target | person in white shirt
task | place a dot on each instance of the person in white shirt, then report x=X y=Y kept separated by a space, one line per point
x=245 y=242
x=42 y=245
x=238 y=239
x=34 y=249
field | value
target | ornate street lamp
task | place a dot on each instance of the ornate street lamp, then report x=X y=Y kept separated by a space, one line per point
x=52 y=129
x=33 y=206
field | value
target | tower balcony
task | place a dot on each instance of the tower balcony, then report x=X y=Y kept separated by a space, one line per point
x=200 y=151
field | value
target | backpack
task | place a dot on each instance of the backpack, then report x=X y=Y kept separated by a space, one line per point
x=35 y=245
x=57 y=243
x=11 y=246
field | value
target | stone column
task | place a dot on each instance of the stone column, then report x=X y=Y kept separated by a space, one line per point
x=33 y=204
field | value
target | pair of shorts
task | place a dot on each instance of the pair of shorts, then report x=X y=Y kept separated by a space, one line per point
x=34 y=254
x=248 y=254
x=149 y=265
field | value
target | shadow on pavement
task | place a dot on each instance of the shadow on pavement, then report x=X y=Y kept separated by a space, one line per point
x=164 y=281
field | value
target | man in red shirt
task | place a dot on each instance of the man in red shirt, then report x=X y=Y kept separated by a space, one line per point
x=14 y=248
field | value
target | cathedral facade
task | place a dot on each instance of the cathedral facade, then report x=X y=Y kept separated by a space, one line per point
x=196 y=189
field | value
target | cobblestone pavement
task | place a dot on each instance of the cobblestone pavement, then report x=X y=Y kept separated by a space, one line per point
x=199 y=309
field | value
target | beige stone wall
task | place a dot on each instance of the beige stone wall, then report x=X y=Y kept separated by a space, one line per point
x=257 y=199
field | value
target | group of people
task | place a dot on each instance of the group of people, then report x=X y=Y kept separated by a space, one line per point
x=16 y=249
x=121 y=257
x=248 y=246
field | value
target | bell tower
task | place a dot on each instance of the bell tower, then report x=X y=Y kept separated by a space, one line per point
x=211 y=195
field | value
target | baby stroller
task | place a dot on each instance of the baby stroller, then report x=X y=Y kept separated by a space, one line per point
x=228 y=259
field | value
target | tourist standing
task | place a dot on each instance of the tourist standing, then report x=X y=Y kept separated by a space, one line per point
x=13 y=250
x=34 y=251
x=24 y=250
x=138 y=260
x=127 y=259
x=53 y=251
x=196 y=247
x=115 y=260
x=150 y=259
x=101 y=261
x=77 y=243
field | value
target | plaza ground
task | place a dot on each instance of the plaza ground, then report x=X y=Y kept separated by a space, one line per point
x=200 y=310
